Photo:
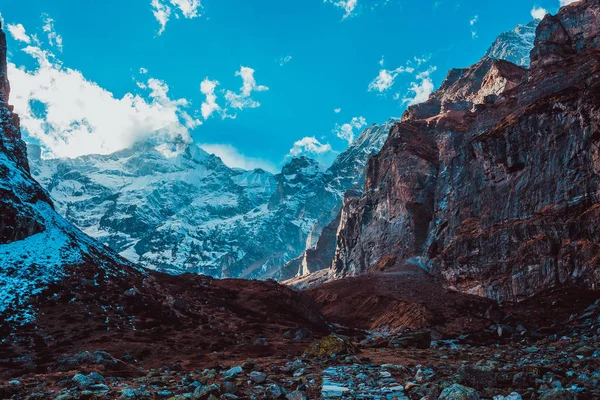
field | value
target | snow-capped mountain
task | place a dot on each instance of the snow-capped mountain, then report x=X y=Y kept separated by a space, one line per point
x=515 y=45
x=176 y=208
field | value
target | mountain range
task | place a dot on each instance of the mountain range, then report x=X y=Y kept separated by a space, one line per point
x=172 y=207
x=175 y=208
x=467 y=266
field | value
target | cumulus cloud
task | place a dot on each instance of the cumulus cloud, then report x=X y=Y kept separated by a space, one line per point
x=309 y=145
x=72 y=116
x=163 y=9
x=386 y=78
x=348 y=6
x=567 y=2
x=17 y=31
x=207 y=87
x=234 y=159
x=242 y=99
x=419 y=91
x=538 y=12
x=53 y=38
x=337 y=110
x=346 y=131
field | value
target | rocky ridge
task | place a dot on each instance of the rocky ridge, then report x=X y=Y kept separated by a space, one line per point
x=491 y=184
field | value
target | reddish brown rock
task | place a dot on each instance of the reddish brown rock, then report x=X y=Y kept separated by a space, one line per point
x=492 y=184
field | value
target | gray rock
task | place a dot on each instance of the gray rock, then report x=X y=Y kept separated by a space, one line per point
x=202 y=391
x=296 y=395
x=275 y=391
x=230 y=373
x=258 y=377
x=459 y=392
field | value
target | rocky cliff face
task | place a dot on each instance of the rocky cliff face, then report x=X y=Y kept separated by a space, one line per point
x=493 y=183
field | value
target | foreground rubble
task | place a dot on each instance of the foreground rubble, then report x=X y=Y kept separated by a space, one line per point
x=560 y=360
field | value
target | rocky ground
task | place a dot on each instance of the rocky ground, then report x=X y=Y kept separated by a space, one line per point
x=545 y=348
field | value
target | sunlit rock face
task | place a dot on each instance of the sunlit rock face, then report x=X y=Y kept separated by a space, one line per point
x=493 y=183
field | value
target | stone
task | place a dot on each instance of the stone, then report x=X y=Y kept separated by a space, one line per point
x=296 y=395
x=332 y=345
x=202 y=391
x=275 y=391
x=230 y=373
x=459 y=392
x=258 y=377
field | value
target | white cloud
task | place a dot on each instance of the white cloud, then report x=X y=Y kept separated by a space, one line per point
x=309 y=145
x=207 y=87
x=382 y=61
x=234 y=159
x=186 y=8
x=337 y=110
x=386 y=78
x=18 y=33
x=472 y=22
x=420 y=90
x=567 y=2
x=285 y=60
x=347 y=5
x=73 y=116
x=346 y=131
x=538 y=12
x=53 y=38
x=243 y=100
x=189 y=8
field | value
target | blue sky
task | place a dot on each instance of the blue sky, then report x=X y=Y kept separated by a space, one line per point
x=92 y=76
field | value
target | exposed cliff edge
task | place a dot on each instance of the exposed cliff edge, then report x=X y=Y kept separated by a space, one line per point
x=493 y=182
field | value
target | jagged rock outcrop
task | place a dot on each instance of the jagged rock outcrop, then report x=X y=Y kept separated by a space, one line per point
x=515 y=45
x=346 y=173
x=492 y=184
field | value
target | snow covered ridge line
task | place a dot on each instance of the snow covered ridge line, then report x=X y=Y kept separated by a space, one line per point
x=192 y=214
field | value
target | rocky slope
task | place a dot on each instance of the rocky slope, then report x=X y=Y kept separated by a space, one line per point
x=492 y=183
x=175 y=208
x=515 y=45
x=63 y=293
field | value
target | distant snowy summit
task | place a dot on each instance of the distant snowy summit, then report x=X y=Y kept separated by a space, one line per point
x=515 y=45
x=176 y=208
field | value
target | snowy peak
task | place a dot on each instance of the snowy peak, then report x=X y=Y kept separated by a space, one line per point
x=515 y=45
x=294 y=176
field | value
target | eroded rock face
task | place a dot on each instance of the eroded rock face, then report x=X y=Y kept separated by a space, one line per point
x=493 y=183
x=17 y=219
